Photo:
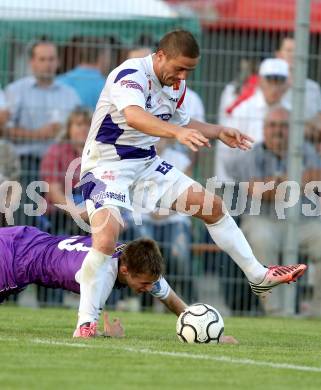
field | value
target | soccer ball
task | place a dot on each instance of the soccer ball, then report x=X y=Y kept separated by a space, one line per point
x=200 y=323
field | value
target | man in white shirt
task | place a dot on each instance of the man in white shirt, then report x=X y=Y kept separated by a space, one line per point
x=143 y=99
x=38 y=104
x=249 y=115
x=312 y=88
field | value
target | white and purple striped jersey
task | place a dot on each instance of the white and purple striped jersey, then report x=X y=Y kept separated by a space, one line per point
x=133 y=83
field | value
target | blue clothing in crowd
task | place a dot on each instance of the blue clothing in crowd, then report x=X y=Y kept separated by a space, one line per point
x=87 y=82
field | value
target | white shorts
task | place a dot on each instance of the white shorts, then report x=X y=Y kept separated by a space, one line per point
x=139 y=185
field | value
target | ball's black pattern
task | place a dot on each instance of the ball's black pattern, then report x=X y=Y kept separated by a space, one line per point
x=190 y=312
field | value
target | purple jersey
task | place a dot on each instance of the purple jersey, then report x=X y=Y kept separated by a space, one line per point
x=28 y=255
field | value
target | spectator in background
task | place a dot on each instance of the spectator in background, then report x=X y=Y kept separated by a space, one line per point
x=9 y=171
x=313 y=132
x=240 y=89
x=312 y=88
x=4 y=113
x=249 y=115
x=38 y=105
x=53 y=168
x=267 y=162
x=138 y=52
x=88 y=78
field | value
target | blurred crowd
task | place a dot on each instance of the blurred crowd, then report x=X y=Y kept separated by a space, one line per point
x=45 y=118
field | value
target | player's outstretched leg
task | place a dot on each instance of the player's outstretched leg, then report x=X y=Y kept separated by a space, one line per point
x=227 y=235
x=105 y=230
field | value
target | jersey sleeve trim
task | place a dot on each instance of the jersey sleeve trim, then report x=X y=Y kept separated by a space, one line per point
x=161 y=288
x=123 y=73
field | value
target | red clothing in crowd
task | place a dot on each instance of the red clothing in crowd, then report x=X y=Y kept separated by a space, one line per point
x=54 y=165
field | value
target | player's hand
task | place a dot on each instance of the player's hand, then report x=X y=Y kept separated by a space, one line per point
x=235 y=139
x=192 y=138
x=228 y=340
x=113 y=330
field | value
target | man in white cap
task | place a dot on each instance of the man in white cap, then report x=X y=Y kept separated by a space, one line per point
x=249 y=115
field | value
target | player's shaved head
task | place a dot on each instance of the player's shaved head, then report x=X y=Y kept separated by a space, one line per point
x=142 y=256
x=179 y=42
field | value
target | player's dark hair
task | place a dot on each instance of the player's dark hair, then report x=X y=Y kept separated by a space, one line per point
x=179 y=42
x=142 y=256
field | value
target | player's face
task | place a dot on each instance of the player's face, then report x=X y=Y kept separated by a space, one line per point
x=44 y=62
x=172 y=70
x=140 y=283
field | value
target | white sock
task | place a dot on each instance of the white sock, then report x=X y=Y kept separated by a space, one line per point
x=92 y=278
x=230 y=239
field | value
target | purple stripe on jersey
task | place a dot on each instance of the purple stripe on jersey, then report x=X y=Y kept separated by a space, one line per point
x=128 y=152
x=124 y=73
x=109 y=131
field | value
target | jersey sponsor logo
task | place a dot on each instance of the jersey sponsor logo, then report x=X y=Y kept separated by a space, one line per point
x=69 y=245
x=108 y=175
x=120 y=248
x=110 y=195
x=164 y=117
x=164 y=167
x=131 y=84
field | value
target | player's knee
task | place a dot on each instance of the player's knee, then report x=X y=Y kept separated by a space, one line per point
x=212 y=211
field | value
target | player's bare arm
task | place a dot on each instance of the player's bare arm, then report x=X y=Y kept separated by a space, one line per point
x=139 y=119
x=231 y=137
x=174 y=303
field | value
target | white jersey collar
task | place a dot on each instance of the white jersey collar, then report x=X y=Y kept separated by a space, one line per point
x=150 y=69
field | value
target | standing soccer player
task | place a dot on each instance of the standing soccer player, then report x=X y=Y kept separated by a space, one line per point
x=143 y=99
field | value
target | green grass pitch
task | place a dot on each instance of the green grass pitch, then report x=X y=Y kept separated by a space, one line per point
x=37 y=352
